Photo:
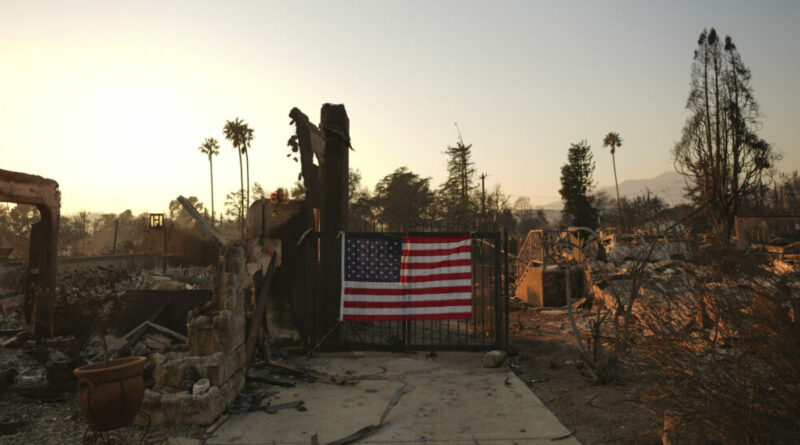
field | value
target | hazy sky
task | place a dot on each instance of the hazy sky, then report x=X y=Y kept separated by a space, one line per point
x=112 y=98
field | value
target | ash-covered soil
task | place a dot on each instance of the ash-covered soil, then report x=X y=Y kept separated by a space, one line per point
x=58 y=420
x=547 y=360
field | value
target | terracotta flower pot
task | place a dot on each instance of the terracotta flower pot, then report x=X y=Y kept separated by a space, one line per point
x=111 y=396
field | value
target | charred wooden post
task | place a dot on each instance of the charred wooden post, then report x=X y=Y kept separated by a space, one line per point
x=334 y=177
x=317 y=300
x=43 y=193
x=309 y=141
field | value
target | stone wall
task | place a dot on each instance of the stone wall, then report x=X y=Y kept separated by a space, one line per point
x=216 y=351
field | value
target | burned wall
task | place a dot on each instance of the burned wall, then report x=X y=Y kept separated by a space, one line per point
x=43 y=193
x=277 y=228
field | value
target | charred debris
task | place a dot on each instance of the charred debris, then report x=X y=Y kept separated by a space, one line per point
x=214 y=327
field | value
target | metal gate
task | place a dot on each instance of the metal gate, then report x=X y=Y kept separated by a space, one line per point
x=487 y=328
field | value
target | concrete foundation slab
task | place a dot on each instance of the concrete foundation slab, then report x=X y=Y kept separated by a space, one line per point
x=448 y=399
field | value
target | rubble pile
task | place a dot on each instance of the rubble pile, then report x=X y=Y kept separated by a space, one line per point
x=659 y=273
x=625 y=247
x=611 y=283
x=84 y=295
x=10 y=278
x=84 y=298
x=681 y=291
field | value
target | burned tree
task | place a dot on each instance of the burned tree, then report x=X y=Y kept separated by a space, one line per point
x=720 y=154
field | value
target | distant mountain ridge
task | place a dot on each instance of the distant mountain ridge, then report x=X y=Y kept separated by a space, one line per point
x=668 y=186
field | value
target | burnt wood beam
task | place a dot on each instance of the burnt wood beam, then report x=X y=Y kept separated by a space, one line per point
x=310 y=142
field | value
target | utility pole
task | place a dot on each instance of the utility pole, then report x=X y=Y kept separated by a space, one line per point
x=116 y=229
x=164 y=264
x=83 y=214
x=159 y=222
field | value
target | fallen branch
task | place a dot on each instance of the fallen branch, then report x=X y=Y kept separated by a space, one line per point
x=358 y=435
x=392 y=402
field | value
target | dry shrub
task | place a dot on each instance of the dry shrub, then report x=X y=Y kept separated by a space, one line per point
x=723 y=338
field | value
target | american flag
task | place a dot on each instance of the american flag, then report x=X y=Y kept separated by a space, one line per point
x=392 y=277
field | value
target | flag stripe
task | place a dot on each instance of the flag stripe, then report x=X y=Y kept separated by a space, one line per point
x=401 y=317
x=405 y=304
x=431 y=297
x=419 y=291
x=435 y=252
x=432 y=259
x=401 y=285
x=436 y=264
x=429 y=272
x=434 y=239
x=408 y=310
x=436 y=277
x=426 y=245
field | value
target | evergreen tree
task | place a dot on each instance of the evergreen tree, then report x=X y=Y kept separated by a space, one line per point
x=403 y=199
x=454 y=194
x=577 y=184
x=362 y=210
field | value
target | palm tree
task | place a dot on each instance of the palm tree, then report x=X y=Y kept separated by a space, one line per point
x=614 y=141
x=234 y=132
x=247 y=137
x=210 y=148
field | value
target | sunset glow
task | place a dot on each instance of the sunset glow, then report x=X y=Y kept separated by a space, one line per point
x=113 y=99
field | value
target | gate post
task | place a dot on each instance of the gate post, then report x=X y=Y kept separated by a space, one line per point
x=334 y=177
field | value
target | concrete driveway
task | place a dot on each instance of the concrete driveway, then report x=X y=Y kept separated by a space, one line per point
x=448 y=399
